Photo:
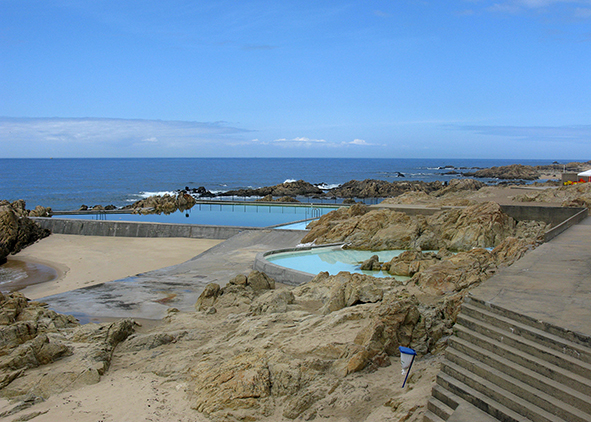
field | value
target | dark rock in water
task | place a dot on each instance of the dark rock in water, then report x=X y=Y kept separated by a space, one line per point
x=398 y=174
x=83 y=207
x=110 y=207
x=163 y=204
x=371 y=188
x=17 y=231
x=269 y=198
x=203 y=193
x=371 y=264
x=511 y=172
x=298 y=188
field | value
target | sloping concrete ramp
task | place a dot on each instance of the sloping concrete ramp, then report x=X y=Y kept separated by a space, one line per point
x=521 y=350
x=151 y=294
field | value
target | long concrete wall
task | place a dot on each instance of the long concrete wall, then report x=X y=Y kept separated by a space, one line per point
x=552 y=215
x=136 y=229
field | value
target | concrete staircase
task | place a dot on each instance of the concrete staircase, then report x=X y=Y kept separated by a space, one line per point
x=504 y=366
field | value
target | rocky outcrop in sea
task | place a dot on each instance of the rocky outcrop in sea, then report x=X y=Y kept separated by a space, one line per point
x=166 y=204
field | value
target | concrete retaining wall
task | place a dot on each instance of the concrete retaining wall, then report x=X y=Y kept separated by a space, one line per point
x=552 y=215
x=136 y=229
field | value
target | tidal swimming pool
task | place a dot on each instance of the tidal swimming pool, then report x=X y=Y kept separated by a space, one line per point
x=333 y=260
x=245 y=215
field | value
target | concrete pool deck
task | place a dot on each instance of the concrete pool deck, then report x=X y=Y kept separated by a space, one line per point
x=151 y=294
x=550 y=284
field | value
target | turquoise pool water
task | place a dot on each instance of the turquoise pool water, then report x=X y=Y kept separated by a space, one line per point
x=246 y=215
x=333 y=260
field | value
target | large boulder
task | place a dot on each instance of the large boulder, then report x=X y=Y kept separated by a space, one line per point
x=17 y=231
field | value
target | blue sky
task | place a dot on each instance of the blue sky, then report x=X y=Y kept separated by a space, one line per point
x=400 y=79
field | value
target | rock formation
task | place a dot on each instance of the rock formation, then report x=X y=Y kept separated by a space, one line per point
x=578 y=195
x=484 y=225
x=380 y=189
x=292 y=189
x=16 y=230
x=166 y=204
x=511 y=172
x=32 y=336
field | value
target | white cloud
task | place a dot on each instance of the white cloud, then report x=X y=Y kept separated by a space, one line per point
x=358 y=142
x=110 y=137
x=301 y=141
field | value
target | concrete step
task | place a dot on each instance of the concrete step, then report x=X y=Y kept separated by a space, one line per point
x=429 y=416
x=481 y=401
x=439 y=408
x=446 y=397
x=532 y=378
x=496 y=395
x=565 y=341
x=505 y=382
x=533 y=363
x=526 y=346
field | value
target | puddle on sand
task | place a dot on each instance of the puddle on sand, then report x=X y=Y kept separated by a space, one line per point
x=16 y=274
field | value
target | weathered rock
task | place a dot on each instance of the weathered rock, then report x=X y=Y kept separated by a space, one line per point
x=240 y=383
x=578 y=195
x=260 y=281
x=289 y=189
x=273 y=301
x=208 y=297
x=456 y=272
x=379 y=188
x=17 y=231
x=269 y=198
x=513 y=171
x=371 y=264
x=33 y=337
x=483 y=225
x=458 y=185
x=166 y=204
x=409 y=263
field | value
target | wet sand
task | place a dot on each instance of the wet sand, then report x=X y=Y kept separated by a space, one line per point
x=17 y=274
x=82 y=261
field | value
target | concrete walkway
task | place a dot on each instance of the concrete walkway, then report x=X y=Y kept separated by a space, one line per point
x=151 y=294
x=521 y=349
x=551 y=284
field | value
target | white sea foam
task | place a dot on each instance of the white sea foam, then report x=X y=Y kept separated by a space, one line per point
x=328 y=186
x=290 y=181
x=148 y=194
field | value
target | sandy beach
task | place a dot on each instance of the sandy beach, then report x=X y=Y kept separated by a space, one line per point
x=82 y=261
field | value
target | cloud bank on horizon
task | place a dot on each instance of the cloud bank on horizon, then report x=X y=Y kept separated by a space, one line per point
x=408 y=79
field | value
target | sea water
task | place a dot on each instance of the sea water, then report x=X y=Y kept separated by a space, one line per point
x=66 y=184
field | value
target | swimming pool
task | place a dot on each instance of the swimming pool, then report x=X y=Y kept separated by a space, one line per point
x=333 y=260
x=245 y=215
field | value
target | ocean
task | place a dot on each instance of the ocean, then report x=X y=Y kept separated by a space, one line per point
x=66 y=183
